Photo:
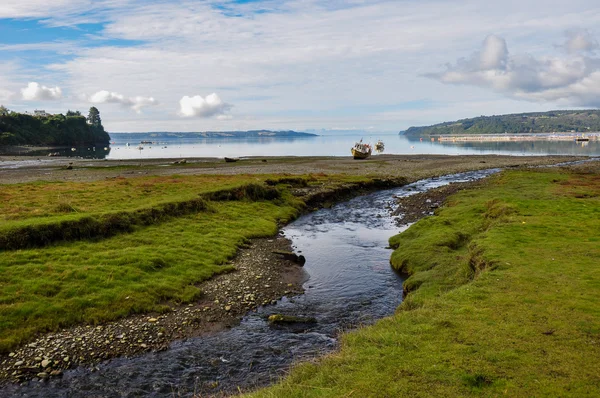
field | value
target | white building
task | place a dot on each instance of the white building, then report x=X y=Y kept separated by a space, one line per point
x=40 y=113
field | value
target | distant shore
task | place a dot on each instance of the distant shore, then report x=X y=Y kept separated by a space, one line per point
x=519 y=137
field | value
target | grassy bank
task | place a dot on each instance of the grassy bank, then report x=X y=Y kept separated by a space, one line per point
x=125 y=246
x=503 y=300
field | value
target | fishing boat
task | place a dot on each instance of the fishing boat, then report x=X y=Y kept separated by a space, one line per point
x=361 y=151
x=379 y=146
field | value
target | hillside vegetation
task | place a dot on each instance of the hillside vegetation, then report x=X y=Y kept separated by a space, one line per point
x=55 y=130
x=538 y=122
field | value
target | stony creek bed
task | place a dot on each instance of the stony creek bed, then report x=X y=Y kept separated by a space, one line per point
x=350 y=284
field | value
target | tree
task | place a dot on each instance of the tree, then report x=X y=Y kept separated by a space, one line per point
x=73 y=113
x=94 y=117
x=4 y=111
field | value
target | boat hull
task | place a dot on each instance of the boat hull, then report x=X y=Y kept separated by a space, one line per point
x=360 y=154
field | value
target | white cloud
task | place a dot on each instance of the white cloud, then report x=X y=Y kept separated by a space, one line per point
x=36 y=92
x=197 y=106
x=109 y=97
x=580 y=41
x=570 y=81
x=300 y=62
x=5 y=95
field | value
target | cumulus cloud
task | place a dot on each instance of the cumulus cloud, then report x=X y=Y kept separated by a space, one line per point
x=110 y=97
x=580 y=41
x=36 y=92
x=197 y=106
x=574 y=80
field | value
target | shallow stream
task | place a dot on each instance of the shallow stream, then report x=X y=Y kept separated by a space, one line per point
x=350 y=283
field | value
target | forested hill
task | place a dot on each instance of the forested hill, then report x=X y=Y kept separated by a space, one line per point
x=55 y=130
x=538 y=122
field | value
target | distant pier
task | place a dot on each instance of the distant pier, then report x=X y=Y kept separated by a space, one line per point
x=595 y=136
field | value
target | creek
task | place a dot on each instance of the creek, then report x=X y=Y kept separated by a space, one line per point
x=350 y=284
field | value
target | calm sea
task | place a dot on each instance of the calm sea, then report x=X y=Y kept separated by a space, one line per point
x=129 y=146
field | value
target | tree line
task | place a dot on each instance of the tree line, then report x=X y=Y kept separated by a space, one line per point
x=72 y=129
x=536 y=122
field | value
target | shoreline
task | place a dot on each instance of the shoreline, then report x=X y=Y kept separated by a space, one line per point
x=226 y=297
x=260 y=277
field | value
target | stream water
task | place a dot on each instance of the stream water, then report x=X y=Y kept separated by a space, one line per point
x=351 y=283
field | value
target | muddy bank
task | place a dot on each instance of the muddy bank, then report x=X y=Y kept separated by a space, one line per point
x=260 y=278
x=412 y=167
x=412 y=208
x=262 y=275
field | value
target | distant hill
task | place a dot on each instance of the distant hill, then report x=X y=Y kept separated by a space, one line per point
x=54 y=130
x=536 y=122
x=165 y=135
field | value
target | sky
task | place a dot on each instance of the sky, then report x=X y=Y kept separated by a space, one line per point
x=162 y=65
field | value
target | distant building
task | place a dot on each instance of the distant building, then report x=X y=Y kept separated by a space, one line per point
x=40 y=113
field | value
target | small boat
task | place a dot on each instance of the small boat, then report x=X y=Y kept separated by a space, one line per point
x=361 y=151
x=231 y=160
x=379 y=146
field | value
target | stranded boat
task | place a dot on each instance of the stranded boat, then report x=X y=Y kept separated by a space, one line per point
x=361 y=151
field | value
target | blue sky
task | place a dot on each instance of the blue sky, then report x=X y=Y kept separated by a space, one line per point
x=299 y=64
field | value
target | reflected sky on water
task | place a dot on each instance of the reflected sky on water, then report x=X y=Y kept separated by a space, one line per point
x=128 y=146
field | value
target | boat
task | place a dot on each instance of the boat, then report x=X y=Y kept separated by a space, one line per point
x=361 y=151
x=231 y=160
x=379 y=146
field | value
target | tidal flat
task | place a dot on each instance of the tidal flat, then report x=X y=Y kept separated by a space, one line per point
x=141 y=273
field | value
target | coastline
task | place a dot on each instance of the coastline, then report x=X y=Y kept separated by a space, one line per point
x=218 y=308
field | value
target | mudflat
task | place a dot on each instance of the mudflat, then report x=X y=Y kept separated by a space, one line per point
x=14 y=169
x=272 y=276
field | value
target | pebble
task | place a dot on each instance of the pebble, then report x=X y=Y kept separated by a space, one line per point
x=87 y=345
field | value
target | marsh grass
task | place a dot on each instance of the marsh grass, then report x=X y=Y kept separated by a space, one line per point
x=93 y=282
x=503 y=300
x=94 y=252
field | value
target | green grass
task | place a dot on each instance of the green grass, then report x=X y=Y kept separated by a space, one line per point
x=53 y=200
x=504 y=300
x=141 y=244
x=43 y=289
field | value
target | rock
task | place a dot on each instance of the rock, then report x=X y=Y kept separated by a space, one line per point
x=19 y=363
x=298 y=259
x=281 y=319
x=227 y=308
x=152 y=320
x=42 y=375
x=46 y=363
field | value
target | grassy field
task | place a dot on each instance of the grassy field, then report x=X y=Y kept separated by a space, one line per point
x=152 y=261
x=504 y=300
